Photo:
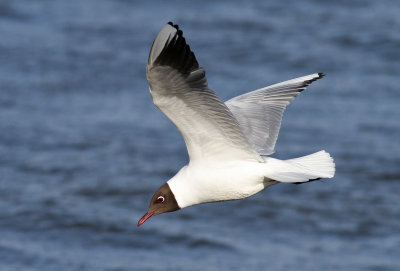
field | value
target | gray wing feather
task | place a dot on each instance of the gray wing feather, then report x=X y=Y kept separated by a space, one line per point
x=259 y=112
x=179 y=89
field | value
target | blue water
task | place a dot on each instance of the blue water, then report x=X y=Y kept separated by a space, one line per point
x=82 y=147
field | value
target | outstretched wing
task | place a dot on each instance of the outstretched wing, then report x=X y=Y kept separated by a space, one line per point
x=179 y=89
x=259 y=112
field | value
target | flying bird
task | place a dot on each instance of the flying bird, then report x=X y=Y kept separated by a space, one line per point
x=228 y=143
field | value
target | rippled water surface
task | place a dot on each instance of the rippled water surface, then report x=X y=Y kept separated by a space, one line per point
x=82 y=147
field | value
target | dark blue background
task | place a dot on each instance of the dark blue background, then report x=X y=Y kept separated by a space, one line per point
x=82 y=148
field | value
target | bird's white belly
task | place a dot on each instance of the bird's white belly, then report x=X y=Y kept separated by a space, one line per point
x=196 y=184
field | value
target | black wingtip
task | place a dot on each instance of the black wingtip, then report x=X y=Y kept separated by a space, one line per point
x=308 y=82
x=310 y=180
x=177 y=53
x=173 y=25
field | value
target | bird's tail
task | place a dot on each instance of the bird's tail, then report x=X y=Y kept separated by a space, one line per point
x=303 y=169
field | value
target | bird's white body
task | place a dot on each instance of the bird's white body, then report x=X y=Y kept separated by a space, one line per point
x=207 y=182
x=198 y=183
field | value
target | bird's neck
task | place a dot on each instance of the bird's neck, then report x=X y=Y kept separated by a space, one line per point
x=184 y=189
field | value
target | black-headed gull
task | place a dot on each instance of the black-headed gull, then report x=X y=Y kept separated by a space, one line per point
x=228 y=143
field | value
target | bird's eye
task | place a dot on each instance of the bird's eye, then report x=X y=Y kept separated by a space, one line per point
x=160 y=199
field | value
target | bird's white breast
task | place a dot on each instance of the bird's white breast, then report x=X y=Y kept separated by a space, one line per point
x=200 y=183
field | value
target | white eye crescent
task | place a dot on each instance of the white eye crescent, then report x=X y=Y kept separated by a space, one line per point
x=160 y=199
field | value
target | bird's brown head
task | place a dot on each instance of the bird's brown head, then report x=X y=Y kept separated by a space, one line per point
x=163 y=201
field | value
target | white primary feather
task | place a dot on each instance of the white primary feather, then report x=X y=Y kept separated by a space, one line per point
x=259 y=112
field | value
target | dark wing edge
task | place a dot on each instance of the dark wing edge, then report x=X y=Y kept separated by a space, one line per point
x=170 y=49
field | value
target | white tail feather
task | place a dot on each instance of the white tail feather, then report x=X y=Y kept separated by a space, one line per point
x=302 y=169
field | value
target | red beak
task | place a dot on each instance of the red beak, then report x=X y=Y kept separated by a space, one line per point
x=144 y=218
